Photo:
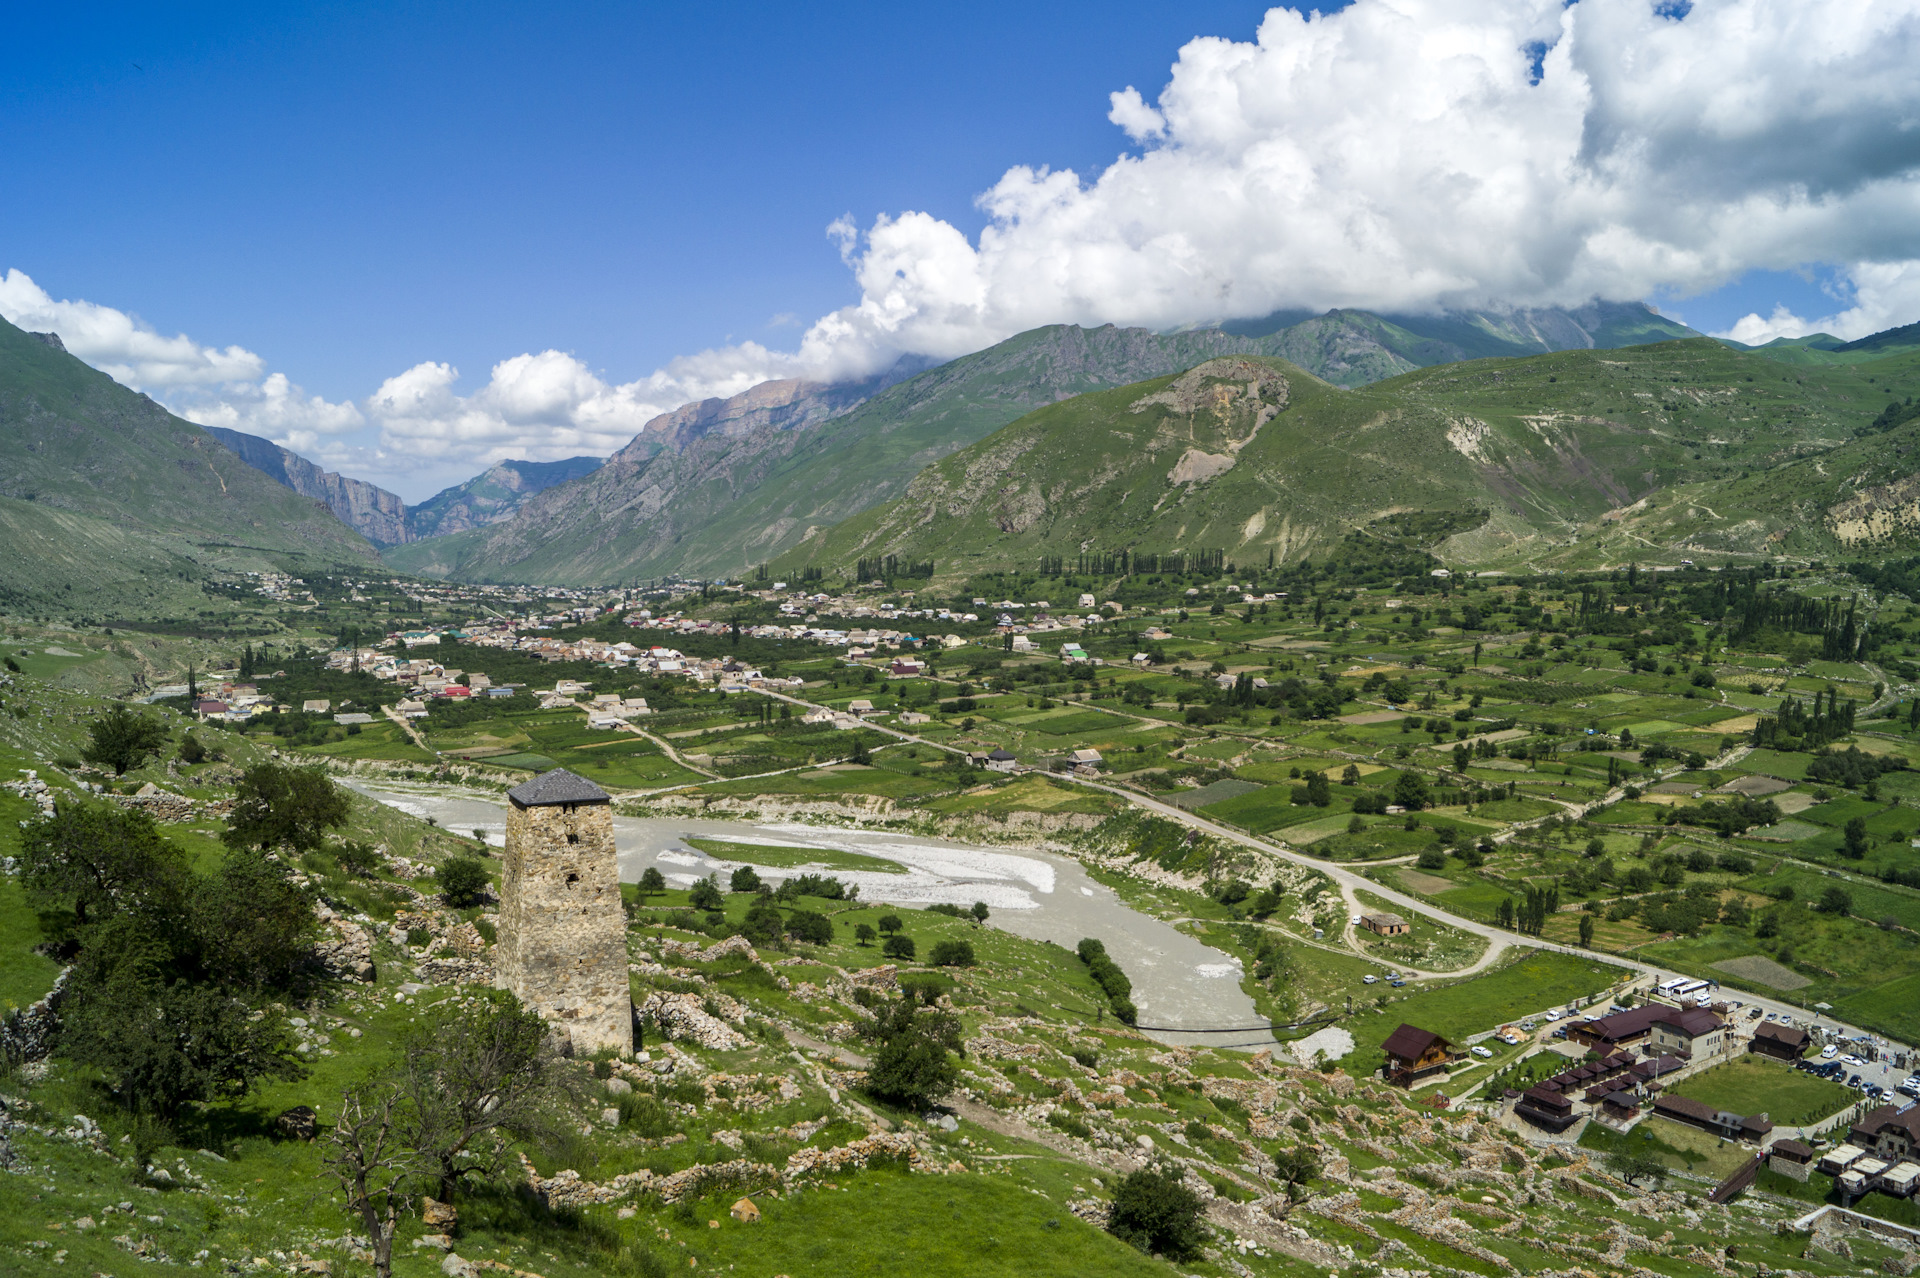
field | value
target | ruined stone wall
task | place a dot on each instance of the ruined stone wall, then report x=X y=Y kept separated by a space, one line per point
x=562 y=942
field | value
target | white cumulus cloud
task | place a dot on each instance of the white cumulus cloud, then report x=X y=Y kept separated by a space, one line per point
x=121 y=345
x=1424 y=154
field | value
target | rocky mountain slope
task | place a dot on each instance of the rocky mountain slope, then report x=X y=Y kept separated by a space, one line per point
x=106 y=498
x=1566 y=458
x=371 y=511
x=491 y=496
x=714 y=487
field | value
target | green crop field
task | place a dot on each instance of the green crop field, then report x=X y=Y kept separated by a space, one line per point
x=787 y=858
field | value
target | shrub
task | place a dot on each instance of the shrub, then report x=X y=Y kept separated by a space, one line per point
x=899 y=946
x=1158 y=1214
x=462 y=880
x=952 y=954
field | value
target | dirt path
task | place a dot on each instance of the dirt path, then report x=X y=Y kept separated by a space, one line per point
x=406 y=726
x=672 y=753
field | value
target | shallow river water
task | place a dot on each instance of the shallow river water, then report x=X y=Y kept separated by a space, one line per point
x=1177 y=982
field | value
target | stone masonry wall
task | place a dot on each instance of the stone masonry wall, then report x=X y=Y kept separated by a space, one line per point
x=562 y=943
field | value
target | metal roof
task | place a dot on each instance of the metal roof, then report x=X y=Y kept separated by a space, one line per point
x=556 y=788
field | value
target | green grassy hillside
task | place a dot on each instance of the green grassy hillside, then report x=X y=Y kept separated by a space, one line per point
x=109 y=490
x=1567 y=458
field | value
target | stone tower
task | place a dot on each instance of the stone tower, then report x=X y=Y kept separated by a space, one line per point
x=562 y=944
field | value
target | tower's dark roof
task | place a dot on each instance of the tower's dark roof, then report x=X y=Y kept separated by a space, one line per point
x=552 y=789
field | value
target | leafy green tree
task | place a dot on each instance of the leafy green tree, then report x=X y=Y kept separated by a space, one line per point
x=357 y=857
x=468 y=1076
x=900 y=947
x=121 y=739
x=1295 y=1167
x=1855 y=834
x=1410 y=791
x=706 y=896
x=462 y=880
x=890 y=923
x=863 y=933
x=192 y=750
x=979 y=911
x=952 y=954
x=1319 y=792
x=1635 y=1167
x=809 y=926
x=1158 y=1214
x=165 y=1043
x=744 y=879
x=1586 y=930
x=276 y=806
x=1836 y=900
x=652 y=881
x=764 y=924
x=96 y=858
x=913 y=1065
x=255 y=927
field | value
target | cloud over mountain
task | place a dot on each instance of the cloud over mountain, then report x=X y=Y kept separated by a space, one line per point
x=1399 y=155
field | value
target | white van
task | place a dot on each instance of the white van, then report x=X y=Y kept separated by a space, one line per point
x=1828 y=1052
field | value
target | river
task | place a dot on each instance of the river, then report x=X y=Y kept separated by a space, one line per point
x=1177 y=982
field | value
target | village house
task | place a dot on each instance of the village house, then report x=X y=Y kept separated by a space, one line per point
x=1891 y=1131
x=1692 y=1034
x=1002 y=761
x=1414 y=1053
x=1790 y=1158
x=1545 y=1107
x=1384 y=924
x=1778 y=1041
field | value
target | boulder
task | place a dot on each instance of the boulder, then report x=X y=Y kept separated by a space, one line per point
x=438 y=1214
x=298 y=1123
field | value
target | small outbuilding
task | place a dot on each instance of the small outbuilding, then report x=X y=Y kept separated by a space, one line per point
x=1384 y=924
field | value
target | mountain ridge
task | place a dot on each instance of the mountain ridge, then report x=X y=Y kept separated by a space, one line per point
x=729 y=498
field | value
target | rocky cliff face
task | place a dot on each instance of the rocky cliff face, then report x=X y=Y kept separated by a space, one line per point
x=374 y=513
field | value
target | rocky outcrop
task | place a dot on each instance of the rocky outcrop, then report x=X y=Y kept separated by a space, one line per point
x=345 y=947
x=682 y=1017
x=27 y=1034
x=492 y=496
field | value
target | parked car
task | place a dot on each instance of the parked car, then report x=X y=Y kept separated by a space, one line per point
x=1855 y=1083
x=1369 y=979
x=1356 y=920
x=1396 y=983
x=1754 y=1015
x=1482 y=1052
x=1909 y=1088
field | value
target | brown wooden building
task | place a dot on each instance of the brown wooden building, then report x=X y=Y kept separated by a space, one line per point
x=1413 y=1054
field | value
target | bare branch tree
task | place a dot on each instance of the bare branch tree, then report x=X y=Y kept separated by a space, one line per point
x=366 y=1154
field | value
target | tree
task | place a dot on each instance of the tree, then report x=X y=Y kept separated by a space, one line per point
x=900 y=947
x=706 y=896
x=165 y=1044
x=365 y=1154
x=1586 y=930
x=913 y=1065
x=1319 y=792
x=275 y=806
x=191 y=750
x=764 y=924
x=121 y=739
x=979 y=911
x=1410 y=791
x=890 y=923
x=652 y=881
x=462 y=880
x=863 y=933
x=1158 y=1214
x=255 y=927
x=1836 y=900
x=810 y=926
x=744 y=879
x=1503 y=913
x=1635 y=1167
x=1855 y=834
x=467 y=1074
x=95 y=858
x=1295 y=1167
x=952 y=954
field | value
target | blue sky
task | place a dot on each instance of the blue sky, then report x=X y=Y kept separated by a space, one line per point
x=348 y=189
x=409 y=240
